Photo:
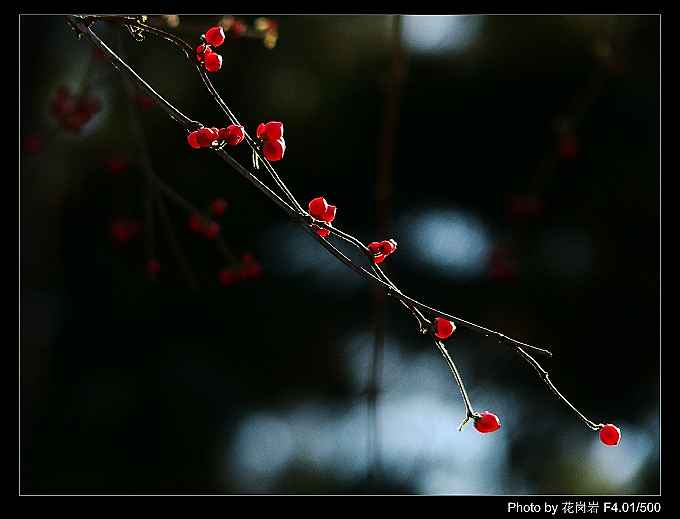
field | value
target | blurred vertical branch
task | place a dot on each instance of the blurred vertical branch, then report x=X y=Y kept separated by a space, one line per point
x=383 y=193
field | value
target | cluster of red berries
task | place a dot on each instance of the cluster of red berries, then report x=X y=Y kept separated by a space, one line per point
x=381 y=249
x=122 y=231
x=73 y=112
x=213 y=37
x=205 y=137
x=248 y=269
x=200 y=225
x=322 y=210
x=208 y=228
x=271 y=136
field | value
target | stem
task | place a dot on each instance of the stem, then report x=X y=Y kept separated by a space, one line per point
x=174 y=244
x=469 y=411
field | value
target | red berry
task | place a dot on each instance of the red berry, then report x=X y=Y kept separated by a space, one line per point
x=206 y=136
x=374 y=247
x=202 y=51
x=215 y=36
x=381 y=249
x=213 y=62
x=192 y=139
x=32 y=143
x=610 y=434
x=89 y=105
x=251 y=269
x=238 y=28
x=568 y=146
x=211 y=230
x=75 y=121
x=63 y=92
x=387 y=247
x=117 y=165
x=153 y=267
x=233 y=134
x=218 y=206
x=227 y=276
x=272 y=131
x=329 y=215
x=196 y=223
x=443 y=328
x=144 y=101
x=274 y=150
x=318 y=207
x=324 y=233
x=488 y=422
x=63 y=102
x=120 y=232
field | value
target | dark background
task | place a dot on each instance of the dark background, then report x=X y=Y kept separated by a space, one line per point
x=134 y=386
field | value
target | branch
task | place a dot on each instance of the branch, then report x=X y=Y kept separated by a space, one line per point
x=287 y=202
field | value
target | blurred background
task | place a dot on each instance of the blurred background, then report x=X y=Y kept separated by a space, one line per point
x=513 y=158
